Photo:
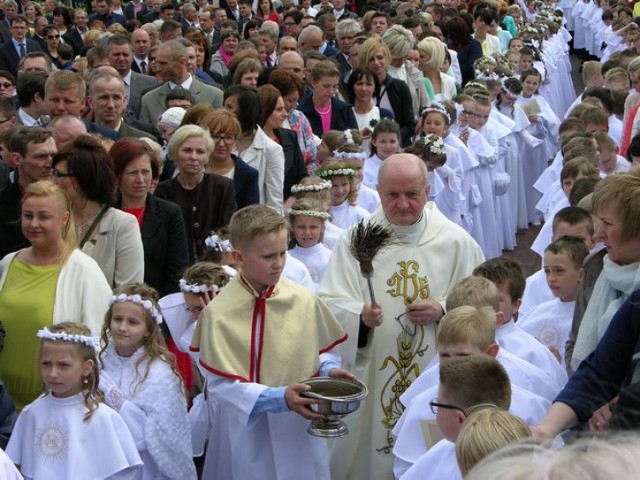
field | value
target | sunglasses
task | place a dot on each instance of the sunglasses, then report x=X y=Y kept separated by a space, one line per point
x=51 y=37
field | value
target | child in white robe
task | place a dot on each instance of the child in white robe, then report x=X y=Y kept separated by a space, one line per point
x=67 y=433
x=385 y=141
x=140 y=381
x=319 y=189
x=8 y=470
x=609 y=161
x=570 y=221
x=344 y=207
x=307 y=220
x=551 y=322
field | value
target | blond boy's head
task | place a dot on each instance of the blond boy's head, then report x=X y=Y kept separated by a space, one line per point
x=487 y=431
x=254 y=221
x=475 y=292
x=467 y=331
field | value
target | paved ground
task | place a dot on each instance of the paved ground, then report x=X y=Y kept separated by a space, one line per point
x=529 y=260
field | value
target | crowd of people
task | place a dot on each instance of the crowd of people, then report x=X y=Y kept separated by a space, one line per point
x=184 y=189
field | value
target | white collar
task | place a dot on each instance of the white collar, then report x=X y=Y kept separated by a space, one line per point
x=186 y=84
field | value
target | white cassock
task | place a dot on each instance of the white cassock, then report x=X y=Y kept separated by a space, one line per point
x=8 y=470
x=520 y=343
x=315 y=258
x=411 y=440
x=155 y=410
x=368 y=198
x=331 y=235
x=550 y=323
x=370 y=171
x=438 y=463
x=433 y=255
x=51 y=440
x=297 y=272
x=536 y=291
x=345 y=215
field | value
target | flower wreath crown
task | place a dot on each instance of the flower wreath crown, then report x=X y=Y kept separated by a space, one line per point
x=328 y=172
x=435 y=144
x=46 y=334
x=192 y=287
x=138 y=300
x=217 y=244
x=437 y=108
x=310 y=213
x=349 y=155
x=312 y=187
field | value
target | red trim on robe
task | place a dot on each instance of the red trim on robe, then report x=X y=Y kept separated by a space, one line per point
x=337 y=342
x=224 y=374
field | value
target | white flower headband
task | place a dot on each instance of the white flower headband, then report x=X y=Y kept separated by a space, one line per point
x=219 y=245
x=313 y=187
x=505 y=88
x=348 y=137
x=46 y=334
x=350 y=155
x=325 y=172
x=436 y=144
x=137 y=299
x=437 y=108
x=188 y=287
x=487 y=77
x=310 y=213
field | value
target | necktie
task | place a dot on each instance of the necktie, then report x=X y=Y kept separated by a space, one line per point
x=269 y=62
x=23 y=50
x=143 y=67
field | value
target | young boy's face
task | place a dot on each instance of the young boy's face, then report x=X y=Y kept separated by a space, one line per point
x=508 y=307
x=262 y=260
x=567 y=184
x=458 y=350
x=449 y=418
x=562 y=275
x=579 y=230
x=597 y=127
x=607 y=160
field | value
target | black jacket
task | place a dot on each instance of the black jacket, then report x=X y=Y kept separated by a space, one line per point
x=245 y=183
x=400 y=99
x=294 y=166
x=342 y=116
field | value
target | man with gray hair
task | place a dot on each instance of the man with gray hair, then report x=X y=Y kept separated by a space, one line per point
x=346 y=31
x=65 y=129
x=269 y=33
x=171 y=60
x=400 y=41
x=311 y=38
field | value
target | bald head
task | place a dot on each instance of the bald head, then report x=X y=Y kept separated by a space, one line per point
x=293 y=62
x=403 y=188
x=65 y=128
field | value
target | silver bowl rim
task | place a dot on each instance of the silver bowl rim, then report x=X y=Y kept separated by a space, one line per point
x=349 y=398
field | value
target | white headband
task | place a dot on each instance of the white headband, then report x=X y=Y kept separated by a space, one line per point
x=195 y=288
x=137 y=299
x=219 y=245
x=312 y=187
x=46 y=334
x=350 y=155
x=310 y=213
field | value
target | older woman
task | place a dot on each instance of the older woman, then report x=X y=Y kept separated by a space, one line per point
x=292 y=89
x=49 y=282
x=111 y=237
x=161 y=224
x=222 y=58
x=254 y=147
x=273 y=115
x=432 y=56
x=225 y=129
x=394 y=94
x=207 y=200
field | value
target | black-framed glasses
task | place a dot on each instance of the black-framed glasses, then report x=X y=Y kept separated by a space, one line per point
x=56 y=174
x=228 y=139
x=410 y=328
x=435 y=405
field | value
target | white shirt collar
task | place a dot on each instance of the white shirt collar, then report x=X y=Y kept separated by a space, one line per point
x=127 y=79
x=186 y=84
x=27 y=120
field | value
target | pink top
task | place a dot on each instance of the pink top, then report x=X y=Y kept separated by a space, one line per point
x=325 y=117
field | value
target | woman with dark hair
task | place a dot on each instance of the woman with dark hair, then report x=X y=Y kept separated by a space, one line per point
x=468 y=48
x=222 y=58
x=361 y=87
x=203 y=49
x=291 y=88
x=225 y=128
x=62 y=19
x=164 y=237
x=255 y=147
x=109 y=236
x=273 y=116
x=52 y=40
x=267 y=12
x=250 y=29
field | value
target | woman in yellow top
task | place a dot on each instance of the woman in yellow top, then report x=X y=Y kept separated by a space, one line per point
x=49 y=282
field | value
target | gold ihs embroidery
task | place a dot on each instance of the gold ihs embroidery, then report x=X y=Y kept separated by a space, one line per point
x=407 y=283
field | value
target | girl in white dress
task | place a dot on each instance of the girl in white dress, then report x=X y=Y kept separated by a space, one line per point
x=67 y=432
x=318 y=189
x=385 y=141
x=308 y=219
x=140 y=381
x=344 y=207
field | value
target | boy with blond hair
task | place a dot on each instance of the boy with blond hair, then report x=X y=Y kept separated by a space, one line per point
x=550 y=322
x=485 y=432
x=467 y=331
x=608 y=159
x=257 y=339
x=466 y=383
x=569 y=221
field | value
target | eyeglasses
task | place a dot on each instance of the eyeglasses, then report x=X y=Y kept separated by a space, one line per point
x=51 y=37
x=58 y=175
x=228 y=139
x=435 y=405
x=6 y=85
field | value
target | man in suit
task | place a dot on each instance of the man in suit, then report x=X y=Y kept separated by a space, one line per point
x=75 y=36
x=105 y=13
x=39 y=26
x=65 y=93
x=246 y=14
x=120 y=56
x=269 y=33
x=151 y=15
x=10 y=10
x=312 y=38
x=19 y=45
x=340 y=12
x=346 y=31
x=172 y=59
x=233 y=12
x=207 y=18
x=189 y=16
x=141 y=44
x=108 y=100
x=30 y=89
